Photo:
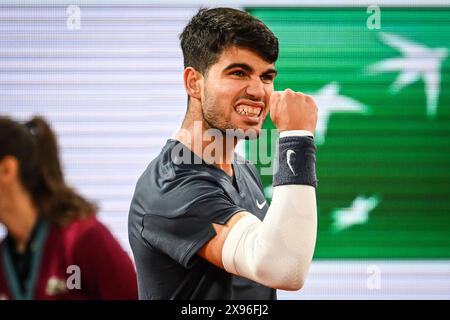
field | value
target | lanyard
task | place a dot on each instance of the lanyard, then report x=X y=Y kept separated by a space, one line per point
x=12 y=278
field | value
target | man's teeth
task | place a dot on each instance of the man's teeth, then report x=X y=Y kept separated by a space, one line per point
x=248 y=111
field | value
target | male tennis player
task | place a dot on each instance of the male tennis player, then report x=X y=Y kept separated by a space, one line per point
x=199 y=225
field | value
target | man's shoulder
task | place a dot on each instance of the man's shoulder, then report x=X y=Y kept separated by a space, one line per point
x=175 y=164
x=168 y=185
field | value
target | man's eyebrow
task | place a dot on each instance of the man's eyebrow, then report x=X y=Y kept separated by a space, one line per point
x=246 y=67
x=269 y=71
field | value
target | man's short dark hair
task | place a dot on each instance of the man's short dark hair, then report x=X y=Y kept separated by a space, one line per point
x=211 y=31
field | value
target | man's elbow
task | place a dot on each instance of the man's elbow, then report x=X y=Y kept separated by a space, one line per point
x=283 y=277
x=292 y=285
x=292 y=281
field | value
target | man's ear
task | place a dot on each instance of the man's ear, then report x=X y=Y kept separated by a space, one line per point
x=9 y=169
x=193 y=81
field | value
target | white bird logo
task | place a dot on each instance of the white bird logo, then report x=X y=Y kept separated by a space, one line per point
x=417 y=61
x=329 y=100
x=357 y=213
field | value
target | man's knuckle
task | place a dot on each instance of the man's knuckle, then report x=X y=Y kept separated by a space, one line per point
x=289 y=92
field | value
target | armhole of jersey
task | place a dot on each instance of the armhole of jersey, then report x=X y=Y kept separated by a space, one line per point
x=193 y=250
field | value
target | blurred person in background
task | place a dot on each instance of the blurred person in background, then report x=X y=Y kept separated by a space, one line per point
x=55 y=247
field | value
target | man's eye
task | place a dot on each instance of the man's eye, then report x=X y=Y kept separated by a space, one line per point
x=267 y=78
x=238 y=73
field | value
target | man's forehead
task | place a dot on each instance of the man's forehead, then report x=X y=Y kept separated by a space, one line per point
x=238 y=55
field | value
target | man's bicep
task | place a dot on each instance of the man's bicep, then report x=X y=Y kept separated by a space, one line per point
x=212 y=250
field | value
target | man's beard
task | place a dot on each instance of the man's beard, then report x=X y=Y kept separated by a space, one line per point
x=215 y=120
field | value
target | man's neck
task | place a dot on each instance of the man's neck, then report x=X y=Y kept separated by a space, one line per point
x=212 y=146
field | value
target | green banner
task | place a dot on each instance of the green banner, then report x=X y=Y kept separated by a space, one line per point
x=383 y=134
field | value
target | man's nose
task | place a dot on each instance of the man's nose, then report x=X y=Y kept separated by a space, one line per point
x=255 y=89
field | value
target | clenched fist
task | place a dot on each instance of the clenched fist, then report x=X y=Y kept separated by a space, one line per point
x=290 y=110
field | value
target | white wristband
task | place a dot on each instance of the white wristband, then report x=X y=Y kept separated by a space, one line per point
x=295 y=133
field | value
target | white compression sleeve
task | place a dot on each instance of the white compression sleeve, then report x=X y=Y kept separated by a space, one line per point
x=278 y=251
